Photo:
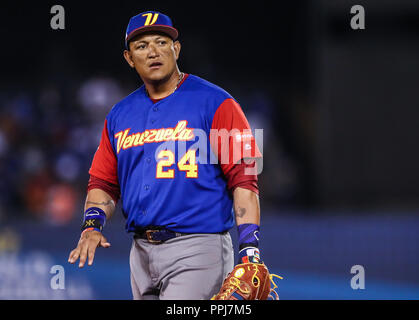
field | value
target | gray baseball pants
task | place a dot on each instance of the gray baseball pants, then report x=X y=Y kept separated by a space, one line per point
x=190 y=267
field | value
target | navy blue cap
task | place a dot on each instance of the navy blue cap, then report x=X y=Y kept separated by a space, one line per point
x=150 y=21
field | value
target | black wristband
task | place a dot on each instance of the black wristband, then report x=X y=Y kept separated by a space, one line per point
x=92 y=223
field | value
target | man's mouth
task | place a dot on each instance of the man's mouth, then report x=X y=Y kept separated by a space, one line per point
x=155 y=65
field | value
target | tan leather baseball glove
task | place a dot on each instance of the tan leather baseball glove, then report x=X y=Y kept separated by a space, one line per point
x=248 y=281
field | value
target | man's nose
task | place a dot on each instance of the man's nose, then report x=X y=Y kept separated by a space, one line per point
x=152 y=51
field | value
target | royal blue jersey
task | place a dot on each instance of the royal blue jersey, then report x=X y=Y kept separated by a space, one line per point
x=161 y=156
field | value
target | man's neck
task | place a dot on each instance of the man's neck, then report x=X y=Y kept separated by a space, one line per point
x=161 y=89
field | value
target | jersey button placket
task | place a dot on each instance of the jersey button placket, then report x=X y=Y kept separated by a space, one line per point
x=147 y=152
x=155 y=109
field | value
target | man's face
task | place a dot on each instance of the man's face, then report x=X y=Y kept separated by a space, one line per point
x=153 y=55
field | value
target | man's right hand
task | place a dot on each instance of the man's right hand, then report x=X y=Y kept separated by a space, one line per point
x=89 y=241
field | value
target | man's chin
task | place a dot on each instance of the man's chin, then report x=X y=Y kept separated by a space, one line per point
x=157 y=77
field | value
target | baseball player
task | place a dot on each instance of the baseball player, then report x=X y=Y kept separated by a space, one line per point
x=156 y=155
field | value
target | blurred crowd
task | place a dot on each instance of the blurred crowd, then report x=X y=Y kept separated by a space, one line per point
x=47 y=139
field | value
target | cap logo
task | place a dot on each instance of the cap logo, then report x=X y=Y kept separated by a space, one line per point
x=151 y=18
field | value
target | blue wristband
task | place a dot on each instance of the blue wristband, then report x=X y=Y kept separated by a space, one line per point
x=248 y=235
x=94 y=217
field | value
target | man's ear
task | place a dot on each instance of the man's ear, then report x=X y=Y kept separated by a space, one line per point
x=128 y=58
x=177 y=47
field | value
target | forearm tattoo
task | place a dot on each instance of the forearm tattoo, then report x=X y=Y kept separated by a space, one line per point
x=240 y=212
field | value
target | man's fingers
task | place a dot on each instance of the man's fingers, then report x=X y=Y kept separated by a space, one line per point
x=70 y=257
x=91 y=254
x=74 y=255
x=104 y=243
x=86 y=250
x=83 y=256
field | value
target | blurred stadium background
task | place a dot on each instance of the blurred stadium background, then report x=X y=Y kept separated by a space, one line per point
x=339 y=109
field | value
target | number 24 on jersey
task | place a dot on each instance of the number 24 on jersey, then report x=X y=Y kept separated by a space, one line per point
x=187 y=164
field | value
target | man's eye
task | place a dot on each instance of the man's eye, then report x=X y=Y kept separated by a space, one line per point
x=141 y=46
x=162 y=42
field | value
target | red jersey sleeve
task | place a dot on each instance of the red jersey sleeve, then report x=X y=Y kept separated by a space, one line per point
x=237 y=177
x=104 y=164
x=109 y=188
x=231 y=137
